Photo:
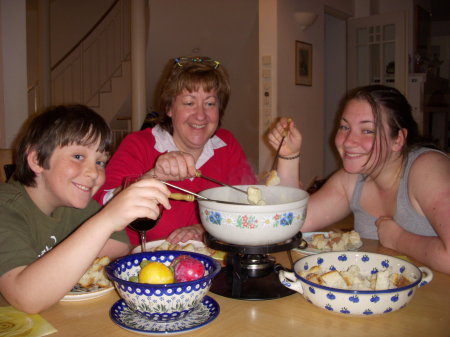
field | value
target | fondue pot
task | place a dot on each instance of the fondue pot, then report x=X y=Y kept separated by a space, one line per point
x=249 y=233
x=278 y=220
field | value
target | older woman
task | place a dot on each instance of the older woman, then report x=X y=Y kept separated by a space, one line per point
x=187 y=137
x=397 y=188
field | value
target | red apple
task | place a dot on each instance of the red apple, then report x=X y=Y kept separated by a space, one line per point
x=178 y=259
x=187 y=268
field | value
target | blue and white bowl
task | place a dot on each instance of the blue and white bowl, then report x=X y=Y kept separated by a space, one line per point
x=161 y=302
x=356 y=302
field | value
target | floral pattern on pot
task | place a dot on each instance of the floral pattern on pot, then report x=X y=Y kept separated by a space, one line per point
x=277 y=221
x=250 y=221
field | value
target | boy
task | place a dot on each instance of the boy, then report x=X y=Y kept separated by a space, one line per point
x=48 y=234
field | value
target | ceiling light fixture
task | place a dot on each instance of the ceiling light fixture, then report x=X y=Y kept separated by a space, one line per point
x=305 y=19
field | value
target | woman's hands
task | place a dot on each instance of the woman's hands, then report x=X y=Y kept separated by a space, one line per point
x=139 y=200
x=194 y=232
x=292 y=143
x=177 y=166
x=173 y=166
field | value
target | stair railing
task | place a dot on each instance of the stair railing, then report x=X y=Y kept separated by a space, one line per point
x=88 y=68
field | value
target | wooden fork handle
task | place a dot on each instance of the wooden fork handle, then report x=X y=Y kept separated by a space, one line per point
x=181 y=196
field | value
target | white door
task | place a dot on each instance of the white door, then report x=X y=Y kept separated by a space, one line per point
x=377 y=51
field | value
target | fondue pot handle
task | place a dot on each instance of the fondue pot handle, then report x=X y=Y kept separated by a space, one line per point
x=289 y=280
x=427 y=276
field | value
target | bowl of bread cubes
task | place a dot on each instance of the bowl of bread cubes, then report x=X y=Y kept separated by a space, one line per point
x=148 y=282
x=356 y=283
x=267 y=215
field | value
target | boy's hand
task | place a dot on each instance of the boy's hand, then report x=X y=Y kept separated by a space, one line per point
x=173 y=166
x=139 y=200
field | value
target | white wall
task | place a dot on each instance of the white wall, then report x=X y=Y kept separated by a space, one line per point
x=233 y=32
x=268 y=77
x=13 y=77
x=236 y=34
x=224 y=30
x=70 y=21
x=305 y=104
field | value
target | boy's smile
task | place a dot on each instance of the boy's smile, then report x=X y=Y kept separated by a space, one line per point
x=75 y=173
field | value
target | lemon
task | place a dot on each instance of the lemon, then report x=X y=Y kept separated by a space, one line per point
x=156 y=273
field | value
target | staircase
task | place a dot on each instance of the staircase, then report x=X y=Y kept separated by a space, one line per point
x=97 y=71
x=109 y=100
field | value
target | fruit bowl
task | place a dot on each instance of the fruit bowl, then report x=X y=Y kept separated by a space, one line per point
x=161 y=302
x=253 y=225
x=356 y=302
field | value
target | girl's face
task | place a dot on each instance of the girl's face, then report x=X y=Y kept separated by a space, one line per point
x=356 y=136
x=195 y=117
x=75 y=173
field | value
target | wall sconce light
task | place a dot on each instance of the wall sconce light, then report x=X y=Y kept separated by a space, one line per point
x=305 y=19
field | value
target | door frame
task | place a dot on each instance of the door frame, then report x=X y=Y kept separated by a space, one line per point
x=401 y=53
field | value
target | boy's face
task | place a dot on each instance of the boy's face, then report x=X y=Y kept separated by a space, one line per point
x=75 y=173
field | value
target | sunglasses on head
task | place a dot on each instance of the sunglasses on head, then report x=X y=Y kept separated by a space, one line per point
x=180 y=61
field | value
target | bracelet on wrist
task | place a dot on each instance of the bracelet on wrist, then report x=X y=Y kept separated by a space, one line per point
x=289 y=158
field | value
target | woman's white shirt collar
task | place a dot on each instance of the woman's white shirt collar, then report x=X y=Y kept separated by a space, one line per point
x=164 y=143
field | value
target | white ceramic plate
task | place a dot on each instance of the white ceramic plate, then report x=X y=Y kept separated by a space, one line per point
x=81 y=294
x=150 y=246
x=309 y=250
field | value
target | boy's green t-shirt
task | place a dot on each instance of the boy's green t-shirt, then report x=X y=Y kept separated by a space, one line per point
x=26 y=233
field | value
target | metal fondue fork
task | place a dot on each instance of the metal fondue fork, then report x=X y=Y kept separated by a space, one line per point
x=193 y=196
x=200 y=175
x=284 y=135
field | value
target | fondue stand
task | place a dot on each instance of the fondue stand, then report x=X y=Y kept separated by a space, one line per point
x=250 y=273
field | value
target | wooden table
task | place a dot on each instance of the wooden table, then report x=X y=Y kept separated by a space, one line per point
x=428 y=314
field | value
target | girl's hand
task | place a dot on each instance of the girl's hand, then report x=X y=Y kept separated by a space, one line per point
x=292 y=143
x=175 y=165
x=389 y=231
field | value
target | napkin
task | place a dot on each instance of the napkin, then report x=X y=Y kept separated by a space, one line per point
x=17 y=323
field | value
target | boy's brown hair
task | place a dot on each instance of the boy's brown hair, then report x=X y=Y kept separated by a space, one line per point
x=60 y=125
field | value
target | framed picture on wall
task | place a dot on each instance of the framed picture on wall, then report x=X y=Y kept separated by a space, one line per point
x=303 y=63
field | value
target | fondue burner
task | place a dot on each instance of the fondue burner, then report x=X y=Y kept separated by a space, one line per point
x=250 y=273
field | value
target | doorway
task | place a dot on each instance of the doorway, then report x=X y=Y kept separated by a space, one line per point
x=335 y=82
